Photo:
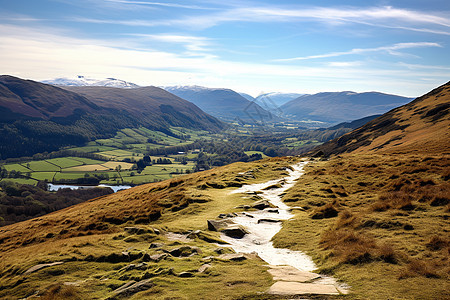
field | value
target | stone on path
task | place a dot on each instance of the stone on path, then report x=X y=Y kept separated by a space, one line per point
x=217 y=225
x=288 y=273
x=299 y=288
x=234 y=231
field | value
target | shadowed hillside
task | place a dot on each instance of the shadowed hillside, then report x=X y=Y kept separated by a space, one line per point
x=36 y=117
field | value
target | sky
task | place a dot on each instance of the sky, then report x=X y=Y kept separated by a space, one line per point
x=259 y=46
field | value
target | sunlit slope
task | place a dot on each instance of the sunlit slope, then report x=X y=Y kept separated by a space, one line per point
x=97 y=246
x=421 y=126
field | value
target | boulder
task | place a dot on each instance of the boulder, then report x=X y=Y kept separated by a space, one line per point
x=234 y=231
x=217 y=225
x=261 y=204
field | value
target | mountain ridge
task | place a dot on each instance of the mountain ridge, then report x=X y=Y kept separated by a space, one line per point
x=421 y=124
x=83 y=81
x=336 y=107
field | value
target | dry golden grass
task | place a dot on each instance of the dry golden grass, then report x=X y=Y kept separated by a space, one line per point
x=392 y=223
x=90 y=238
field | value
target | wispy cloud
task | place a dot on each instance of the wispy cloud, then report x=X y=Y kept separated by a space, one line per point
x=392 y=50
x=163 y=4
x=384 y=17
x=191 y=43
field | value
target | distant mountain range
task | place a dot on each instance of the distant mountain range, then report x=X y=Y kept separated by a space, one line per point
x=83 y=81
x=336 y=107
x=36 y=117
x=225 y=104
x=421 y=126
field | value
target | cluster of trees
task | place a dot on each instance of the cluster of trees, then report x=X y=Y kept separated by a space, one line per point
x=19 y=202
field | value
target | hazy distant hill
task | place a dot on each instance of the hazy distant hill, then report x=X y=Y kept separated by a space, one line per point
x=277 y=98
x=36 y=117
x=83 y=81
x=339 y=107
x=222 y=103
x=421 y=126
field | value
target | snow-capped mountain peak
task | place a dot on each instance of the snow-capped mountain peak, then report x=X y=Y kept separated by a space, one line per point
x=81 y=80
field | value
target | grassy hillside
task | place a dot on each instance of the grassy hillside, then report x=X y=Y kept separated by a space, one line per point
x=375 y=213
x=419 y=126
x=104 y=243
x=377 y=222
x=36 y=117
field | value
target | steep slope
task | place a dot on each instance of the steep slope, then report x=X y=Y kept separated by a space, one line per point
x=376 y=213
x=223 y=103
x=420 y=126
x=341 y=106
x=36 y=100
x=83 y=81
x=35 y=117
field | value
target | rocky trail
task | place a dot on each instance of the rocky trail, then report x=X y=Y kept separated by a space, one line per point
x=250 y=232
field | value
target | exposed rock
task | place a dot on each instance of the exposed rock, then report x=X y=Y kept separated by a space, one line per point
x=234 y=231
x=133 y=287
x=183 y=251
x=273 y=186
x=298 y=288
x=230 y=215
x=233 y=256
x=204 y=268
x=268 y=220
x=141 y=266
x=262 y=204
x=246 y=207
x=41 y=266
x=273 y=210
x=217 y=225
x=156 y=245
x=194 y=234
x=186 y=274
x=155 y=257
x=248 y=215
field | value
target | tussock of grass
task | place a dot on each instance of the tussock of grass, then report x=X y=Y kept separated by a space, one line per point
x=391 y=224
x=105 y=242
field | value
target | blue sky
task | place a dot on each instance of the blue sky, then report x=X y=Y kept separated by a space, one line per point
x=398 y=47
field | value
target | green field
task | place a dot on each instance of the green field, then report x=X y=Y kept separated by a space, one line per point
x=16 y=167
x=42 y=166
x=65 y=162
x=43 y=175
